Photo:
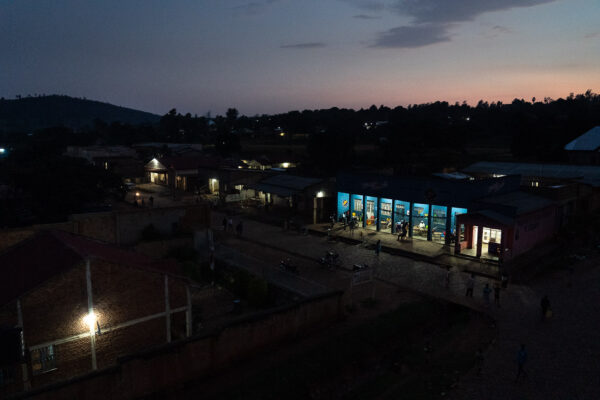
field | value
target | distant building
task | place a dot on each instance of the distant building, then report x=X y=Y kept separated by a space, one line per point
x=586 y=148
x=121 y=160
x=71 y=305
x=179 y=173
x=311 y=198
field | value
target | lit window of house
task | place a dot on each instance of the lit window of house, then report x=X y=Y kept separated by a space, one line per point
x=43 y=360
x=535 y=183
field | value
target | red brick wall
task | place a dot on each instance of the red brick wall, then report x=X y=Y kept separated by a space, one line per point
x=182 y=361
x=55 y=310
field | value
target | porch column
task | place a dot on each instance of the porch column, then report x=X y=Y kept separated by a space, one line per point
x=479 y=239
x=469 y=235
x=410 y=220
x=378 y=214
x=393 y=216
x=429 y=222
x=448 y=225
x=364 y=211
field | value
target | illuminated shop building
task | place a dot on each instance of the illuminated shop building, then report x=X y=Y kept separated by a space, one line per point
x=480 y=217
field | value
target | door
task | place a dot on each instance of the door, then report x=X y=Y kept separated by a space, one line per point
x=475 y=232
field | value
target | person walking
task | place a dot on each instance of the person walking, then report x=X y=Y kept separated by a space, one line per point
x=486 y=294
x=470 y=285
x=521 y=360
x=447 y=278
x=497 y=294
x=545 y=304
x=378 y=247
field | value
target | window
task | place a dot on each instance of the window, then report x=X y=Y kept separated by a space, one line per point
x=535 y=183
x=357 y=204
x=43 y=360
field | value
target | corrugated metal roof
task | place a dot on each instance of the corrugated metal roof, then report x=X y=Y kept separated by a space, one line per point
x=589 y=141
x=521 y=202
x=558 y=171
x=291 y=181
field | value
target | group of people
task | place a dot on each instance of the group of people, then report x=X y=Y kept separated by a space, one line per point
x=228 y=226
x=402 y=229
x=487 y=291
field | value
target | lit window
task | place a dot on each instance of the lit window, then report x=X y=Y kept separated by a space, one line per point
x=535 y=184
x=43 y=360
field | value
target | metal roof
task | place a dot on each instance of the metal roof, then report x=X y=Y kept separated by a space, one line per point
x=291 y=181
x=519 y=202
x=589 y=141
x=558 y=171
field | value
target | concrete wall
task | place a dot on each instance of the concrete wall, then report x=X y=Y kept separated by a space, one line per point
x=122 y=227
x=532 y=229
x=193 y=358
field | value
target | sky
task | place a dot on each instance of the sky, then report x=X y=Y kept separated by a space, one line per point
x=273 y=56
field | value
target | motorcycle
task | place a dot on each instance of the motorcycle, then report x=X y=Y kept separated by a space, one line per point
x=331 y=259
x=359 y=267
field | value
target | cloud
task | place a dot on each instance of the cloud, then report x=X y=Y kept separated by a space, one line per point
x=364 y=16
x=592 y=35
x=444 y=11
x=431 y=20
x=309 y=45
x=501 y=29
x=369 y=5
x=253 y=7
x=413 y=36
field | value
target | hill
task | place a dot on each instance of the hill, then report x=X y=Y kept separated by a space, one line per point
x=31 y=113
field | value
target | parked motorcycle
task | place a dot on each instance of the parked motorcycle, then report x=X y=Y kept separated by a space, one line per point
x=331 y=259
x=359 y=267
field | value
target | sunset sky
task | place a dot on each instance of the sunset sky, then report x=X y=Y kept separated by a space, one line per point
x=270 y=56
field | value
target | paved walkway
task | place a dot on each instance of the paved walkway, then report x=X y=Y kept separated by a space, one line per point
x=564 y=352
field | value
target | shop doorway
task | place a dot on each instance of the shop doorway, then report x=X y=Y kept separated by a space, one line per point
x=490 y=242
x=370 y=215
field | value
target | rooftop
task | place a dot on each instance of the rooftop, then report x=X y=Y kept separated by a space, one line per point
x=589 y=141
x=558 y=171
x=33 y=261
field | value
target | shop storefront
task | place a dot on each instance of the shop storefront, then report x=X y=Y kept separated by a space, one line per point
x=423 y=221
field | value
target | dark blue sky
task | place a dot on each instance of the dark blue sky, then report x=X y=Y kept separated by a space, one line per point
x=267 y=56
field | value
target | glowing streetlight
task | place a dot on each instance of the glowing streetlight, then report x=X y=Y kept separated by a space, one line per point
x=90 y=320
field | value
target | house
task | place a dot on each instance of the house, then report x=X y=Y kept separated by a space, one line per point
x=121 y=160
x=71 y=305
x=179 y=173
x=311 y=198
x=586 y=148
x=479 y=215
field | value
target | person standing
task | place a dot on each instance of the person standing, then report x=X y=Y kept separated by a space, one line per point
x=470 y=285
x=224 y=224
x=151 y=200
x=378 y=247
x=230 y=224
x=521 y=360
x=447 y=278
x=486 y=294
x=545 y=304
x=239 y=228
x=497 y=294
